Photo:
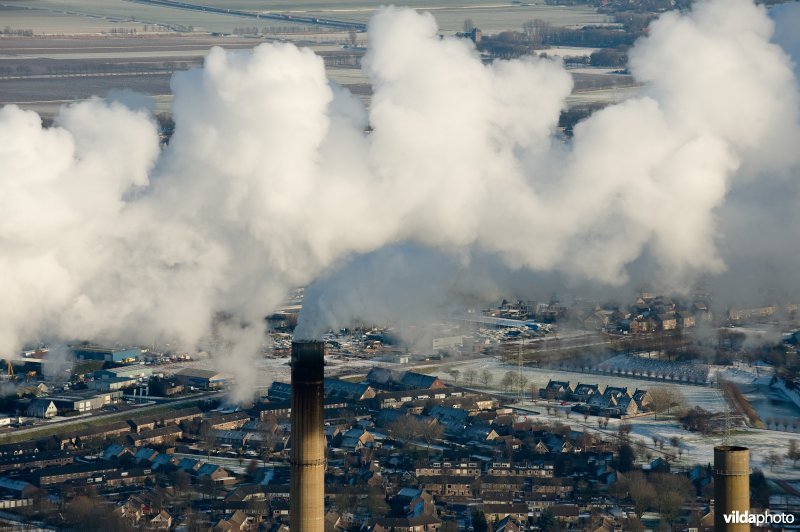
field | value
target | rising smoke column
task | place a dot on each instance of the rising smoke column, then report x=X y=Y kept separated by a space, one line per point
x=644 y=181
x=270 y=181
x=64 y=218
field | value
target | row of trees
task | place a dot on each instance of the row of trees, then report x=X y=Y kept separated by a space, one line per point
x=71 y=67
x=661 y=492
x=472 y=377
x=8 y=30
x=786 y=423
x=413 y=428
x=538 y=34
x=740 y=403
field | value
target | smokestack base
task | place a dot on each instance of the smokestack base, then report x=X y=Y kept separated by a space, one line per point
x=731 y=486
x=308 y=453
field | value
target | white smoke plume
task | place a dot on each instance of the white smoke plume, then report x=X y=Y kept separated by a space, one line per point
x=270 y=181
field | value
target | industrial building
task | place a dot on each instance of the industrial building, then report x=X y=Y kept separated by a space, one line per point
x=202 y=379
x=126 y=372
x=110 y=385
x=42 y=408
x=85 y=402
x=112 y=379
x=107 y=354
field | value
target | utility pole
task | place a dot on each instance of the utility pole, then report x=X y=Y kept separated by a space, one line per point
x=519 y=369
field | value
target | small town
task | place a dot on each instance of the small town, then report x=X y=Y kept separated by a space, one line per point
x=439 y=266
x=406 y=452
x=144 y=440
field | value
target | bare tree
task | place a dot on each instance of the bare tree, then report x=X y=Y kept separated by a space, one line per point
x=665 y=398
x=528 y=29
x=773 y=459
x=673 y=491
x=642 y=493
x=486 y=378
x=468 y=25
x=793 y=453
x=522 y=382
x=534 y=390
x=508 y=380
x=470 y=376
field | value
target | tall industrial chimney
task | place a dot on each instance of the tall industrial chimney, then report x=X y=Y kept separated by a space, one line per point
x=307 y=490
x=731 y=486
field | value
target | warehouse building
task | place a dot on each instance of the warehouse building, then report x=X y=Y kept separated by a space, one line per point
x=203 y=379
x=107 y=354
x=85 y=402
x=137 y=371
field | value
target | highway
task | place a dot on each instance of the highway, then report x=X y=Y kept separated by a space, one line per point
x=327 y=22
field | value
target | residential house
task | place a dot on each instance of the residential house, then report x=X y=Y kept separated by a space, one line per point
x=214 y=472
x=643 y=400
x=42 y=408
x=583 y=392
x=116 y=450
x=667 y=321
x=146 y=454
x=557 y=390
x=686 y=319
x=446 y=486
x=412 y=502
x=497 y=512
x=422 y=523
x=230 y=421
x=420 y=380
x=348 y=391
x=565 y=513
x=175 y=417
x=356 y=438
x=161 y=521
x=507 y=524
x=156 y=436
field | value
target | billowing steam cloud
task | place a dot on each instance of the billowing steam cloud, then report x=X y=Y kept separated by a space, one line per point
x=645 y=181
x=270 y=180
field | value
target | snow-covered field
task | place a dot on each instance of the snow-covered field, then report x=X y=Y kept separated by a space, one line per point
x=88 y=16
x=614 y=95
x=699 y=449
x=705 y=396
x=695 y=448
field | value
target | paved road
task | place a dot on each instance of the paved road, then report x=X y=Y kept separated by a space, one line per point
x=317 y=21
x=100 y=417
